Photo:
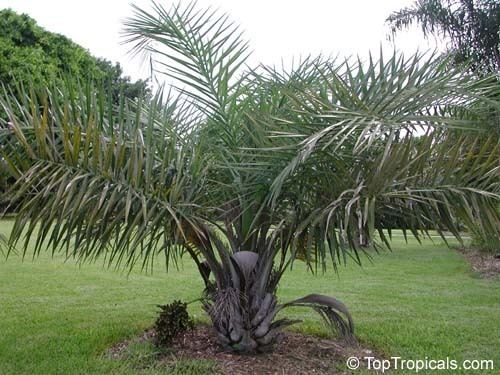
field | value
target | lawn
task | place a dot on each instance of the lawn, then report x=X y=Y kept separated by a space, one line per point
x=415 y=302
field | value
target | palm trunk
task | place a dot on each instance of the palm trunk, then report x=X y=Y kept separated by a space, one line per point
x=244 y=323
x=242 y=305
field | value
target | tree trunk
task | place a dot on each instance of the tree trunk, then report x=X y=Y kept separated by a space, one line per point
x=245 y=324
x=242 y=304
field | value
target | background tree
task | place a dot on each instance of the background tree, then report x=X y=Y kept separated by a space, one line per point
x=247 y=171
x=31 y=55
x=121 y=85
x=472 y=28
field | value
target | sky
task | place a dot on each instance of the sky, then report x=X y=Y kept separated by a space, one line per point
x=276 y=29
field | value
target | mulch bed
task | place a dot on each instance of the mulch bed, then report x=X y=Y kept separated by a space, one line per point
x=296 y=354
x=487 y=265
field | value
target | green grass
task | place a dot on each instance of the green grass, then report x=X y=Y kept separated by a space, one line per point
x=144 y=357
x=416 y=302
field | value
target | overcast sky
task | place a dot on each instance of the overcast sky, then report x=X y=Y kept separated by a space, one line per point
x=276 y=29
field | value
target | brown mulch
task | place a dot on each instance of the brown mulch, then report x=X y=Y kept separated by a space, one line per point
x=485 y=264
x=296 y=354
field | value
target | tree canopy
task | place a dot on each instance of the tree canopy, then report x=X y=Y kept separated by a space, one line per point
x=30 y=54
x=472 y=28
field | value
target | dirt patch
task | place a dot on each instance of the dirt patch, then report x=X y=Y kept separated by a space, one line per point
x=487 y=265
x=296 y=354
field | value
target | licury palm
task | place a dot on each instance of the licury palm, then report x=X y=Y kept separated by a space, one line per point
x=247 y=170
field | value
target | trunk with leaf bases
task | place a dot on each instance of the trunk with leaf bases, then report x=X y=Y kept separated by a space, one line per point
x=241 y=285
x=243 y=306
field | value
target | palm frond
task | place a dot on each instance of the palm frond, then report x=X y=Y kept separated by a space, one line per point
x=334 y=313
x=97 y=180
x=199 y=48
x=359 y=135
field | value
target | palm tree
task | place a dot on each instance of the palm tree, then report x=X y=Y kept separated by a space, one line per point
x=247 y=170
x=472 y=28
